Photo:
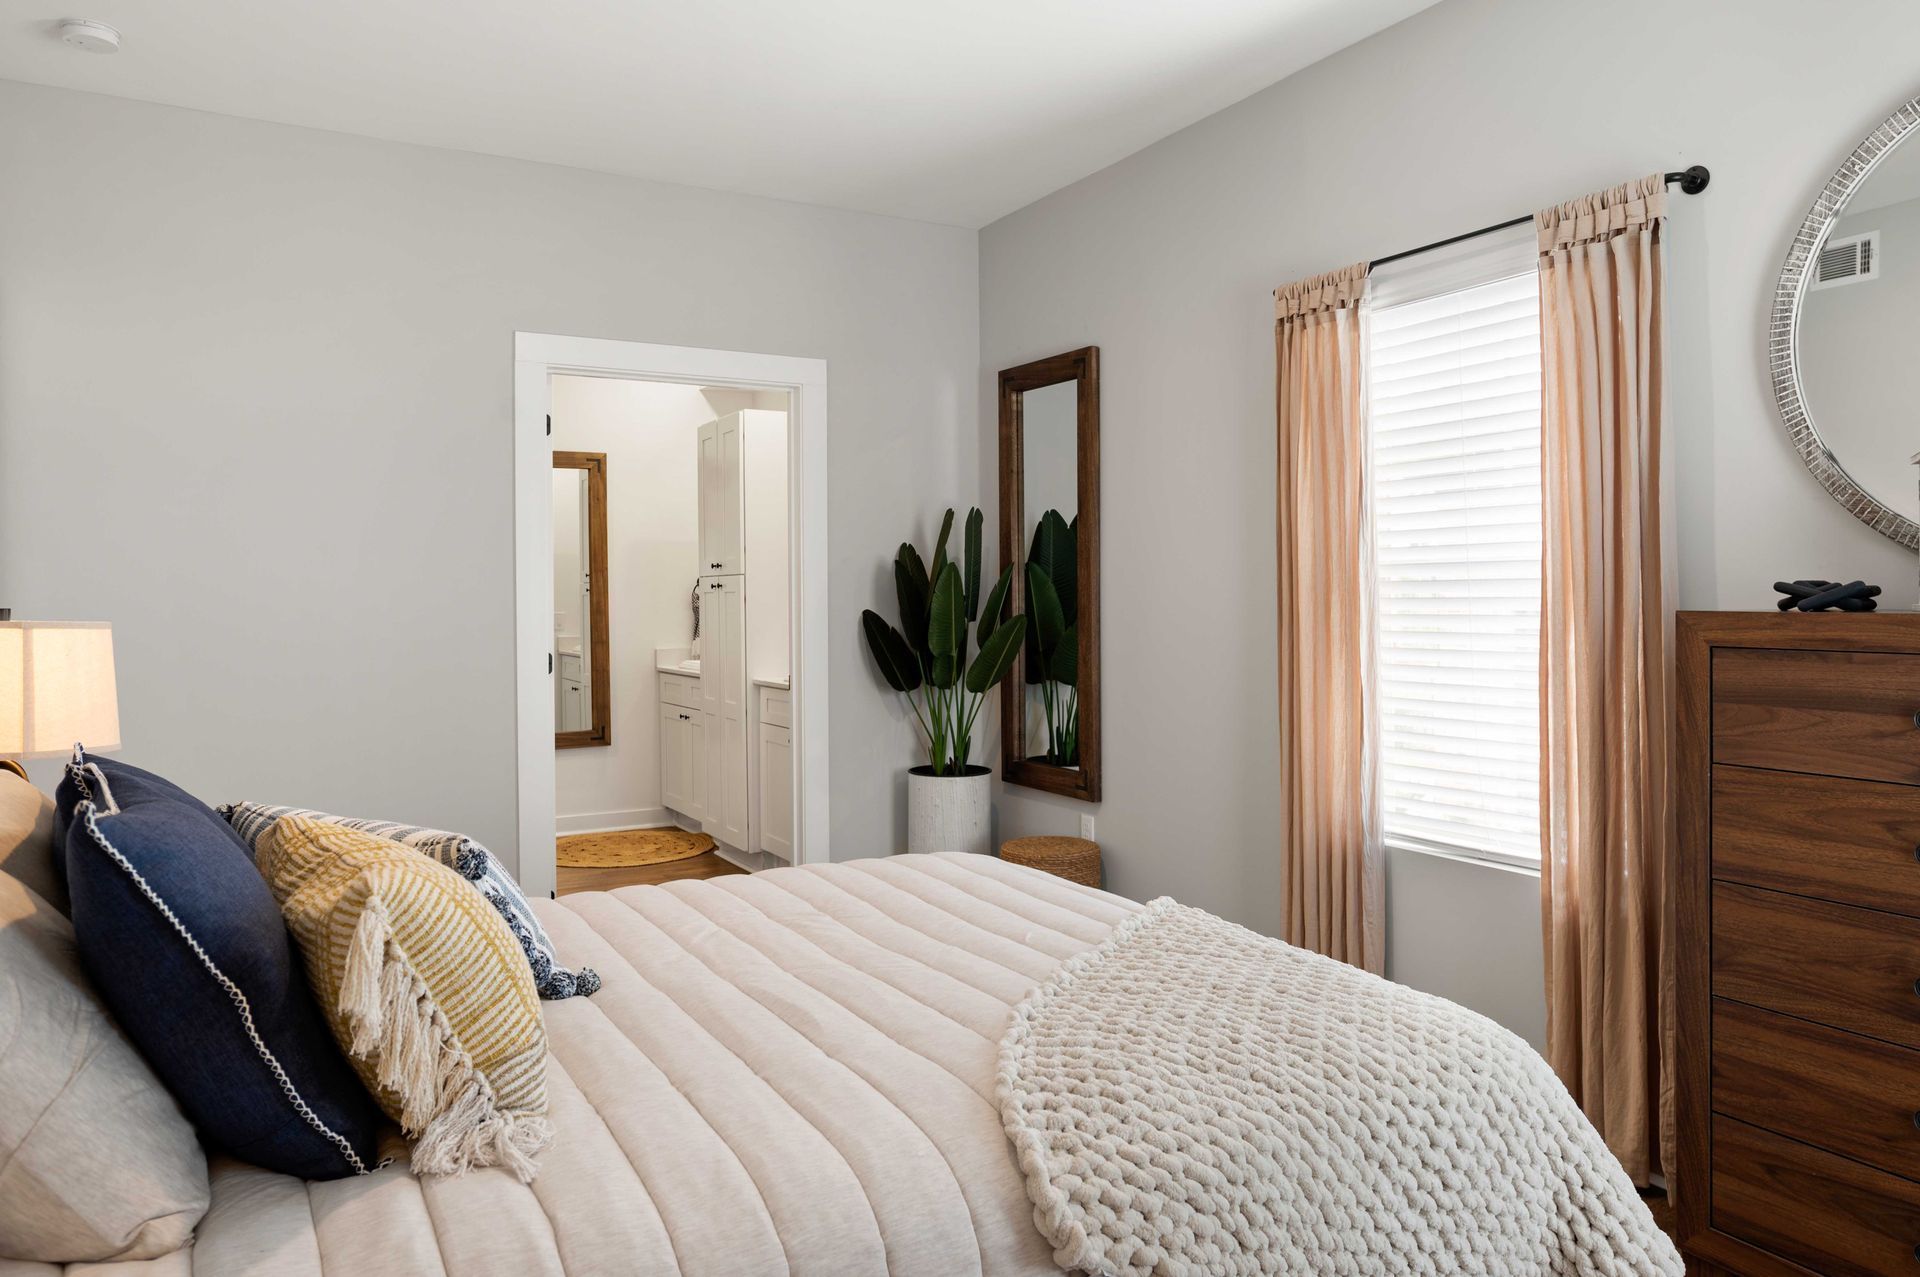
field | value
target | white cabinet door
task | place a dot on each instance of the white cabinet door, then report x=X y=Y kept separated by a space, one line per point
x=776 y=790
x=674 y=770
x=723 y=692
x=708 y=444
x=693 y=748
x=728 y=550
x=572 y=715
x=721 y=478
x=714 y=640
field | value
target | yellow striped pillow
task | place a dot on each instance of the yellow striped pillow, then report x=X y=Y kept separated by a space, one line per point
x=425 y=987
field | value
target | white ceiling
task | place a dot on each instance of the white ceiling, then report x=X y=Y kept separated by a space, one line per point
x=954 y=112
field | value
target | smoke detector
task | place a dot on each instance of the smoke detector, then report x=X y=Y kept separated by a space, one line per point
x=93 y=37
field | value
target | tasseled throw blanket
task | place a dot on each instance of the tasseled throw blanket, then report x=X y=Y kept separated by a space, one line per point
x=1194 y=1098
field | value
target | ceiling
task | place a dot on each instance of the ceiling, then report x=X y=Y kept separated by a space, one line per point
x=955 y=112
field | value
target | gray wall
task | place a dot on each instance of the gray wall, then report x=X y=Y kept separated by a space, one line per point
x=256 y=395
x=1469 y=113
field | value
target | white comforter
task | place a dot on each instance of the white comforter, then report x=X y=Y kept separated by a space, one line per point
x=794 y=1073
x=786 y=1073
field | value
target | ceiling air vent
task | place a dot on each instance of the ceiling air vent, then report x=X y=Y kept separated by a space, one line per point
x=1852 y=260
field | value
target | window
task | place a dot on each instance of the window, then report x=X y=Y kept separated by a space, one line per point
x=1454 y=391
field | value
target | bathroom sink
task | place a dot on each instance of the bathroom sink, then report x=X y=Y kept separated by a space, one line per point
x=690 y=667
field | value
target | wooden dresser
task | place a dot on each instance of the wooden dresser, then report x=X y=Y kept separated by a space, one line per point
x=1798 y=943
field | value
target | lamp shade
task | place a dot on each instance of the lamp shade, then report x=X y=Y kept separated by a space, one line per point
x=56 y=688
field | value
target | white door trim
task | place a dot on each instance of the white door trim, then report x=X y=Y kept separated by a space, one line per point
x=537 y=357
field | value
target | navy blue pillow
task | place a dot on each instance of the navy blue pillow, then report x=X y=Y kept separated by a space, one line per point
x=184 y=941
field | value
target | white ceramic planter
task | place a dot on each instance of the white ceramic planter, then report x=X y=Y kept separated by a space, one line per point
x=950 y=813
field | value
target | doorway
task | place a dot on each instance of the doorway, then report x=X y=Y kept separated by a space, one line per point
x=758 y=406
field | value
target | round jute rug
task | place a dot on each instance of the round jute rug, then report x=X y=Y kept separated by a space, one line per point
x=625 y=848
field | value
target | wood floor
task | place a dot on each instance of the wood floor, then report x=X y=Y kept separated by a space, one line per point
x=703 y=866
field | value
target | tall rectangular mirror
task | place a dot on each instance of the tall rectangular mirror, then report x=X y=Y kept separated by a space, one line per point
x=1050 y=531
x=582 y=700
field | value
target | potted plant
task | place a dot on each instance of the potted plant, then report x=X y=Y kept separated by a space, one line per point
x=926 y=659
x=1053 y=636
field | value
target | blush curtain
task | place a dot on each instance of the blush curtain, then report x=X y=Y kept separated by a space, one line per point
x=1335 y=877
x=1606 y=661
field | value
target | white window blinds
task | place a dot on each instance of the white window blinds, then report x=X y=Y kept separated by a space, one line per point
x=1454 y=391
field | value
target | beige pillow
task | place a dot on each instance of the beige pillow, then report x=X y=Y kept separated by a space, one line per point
x=96 y=1161
x=27 y=849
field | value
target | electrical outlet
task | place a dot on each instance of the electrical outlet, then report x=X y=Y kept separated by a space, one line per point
x=1086 y=825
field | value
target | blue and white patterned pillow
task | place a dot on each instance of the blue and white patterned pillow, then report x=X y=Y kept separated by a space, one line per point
x=456 y=851
x=464 y=856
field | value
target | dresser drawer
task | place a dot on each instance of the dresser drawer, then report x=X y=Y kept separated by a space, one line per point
x=1854 y=969
x=1844 y=1093
x=1834 y=713
x=1834 y=1216
x=1855 y=841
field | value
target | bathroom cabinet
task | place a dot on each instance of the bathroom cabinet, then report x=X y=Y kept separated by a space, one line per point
x=743 y=522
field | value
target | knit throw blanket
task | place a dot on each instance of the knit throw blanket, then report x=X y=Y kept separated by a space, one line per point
x=1194 y=1098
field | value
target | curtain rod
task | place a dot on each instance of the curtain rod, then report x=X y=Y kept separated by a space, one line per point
x=1692 y=182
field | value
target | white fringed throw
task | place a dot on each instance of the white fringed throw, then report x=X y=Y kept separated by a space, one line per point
x=400 y=1034
x=1194 y=1098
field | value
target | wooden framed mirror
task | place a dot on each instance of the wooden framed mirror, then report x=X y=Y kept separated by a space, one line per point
x=1050 y=529
x=582 y=700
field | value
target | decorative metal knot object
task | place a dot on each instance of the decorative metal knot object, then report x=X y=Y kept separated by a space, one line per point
x=1823 y=596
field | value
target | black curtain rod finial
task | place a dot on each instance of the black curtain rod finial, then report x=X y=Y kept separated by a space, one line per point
x=1692 y=181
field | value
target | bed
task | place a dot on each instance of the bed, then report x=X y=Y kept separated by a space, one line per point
x=789 y=1072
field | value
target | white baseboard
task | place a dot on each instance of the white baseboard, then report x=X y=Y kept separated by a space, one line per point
x=600 y=822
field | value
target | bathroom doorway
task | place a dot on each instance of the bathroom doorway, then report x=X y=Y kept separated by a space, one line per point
x=678 y=672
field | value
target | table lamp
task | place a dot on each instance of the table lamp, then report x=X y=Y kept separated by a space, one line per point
x=56 y=689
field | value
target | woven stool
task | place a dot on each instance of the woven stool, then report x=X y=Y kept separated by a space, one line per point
x=1075 y=859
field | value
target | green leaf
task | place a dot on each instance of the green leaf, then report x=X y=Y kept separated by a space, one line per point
x=910 y=588
x=943 y=673
x=1043 y=605
x=1055 y=544
x=940 y=547
x=996 y=656
x=975 y=522
x=947 y=618
x=891 y=652
x=1064 y=666
x=996 y=607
